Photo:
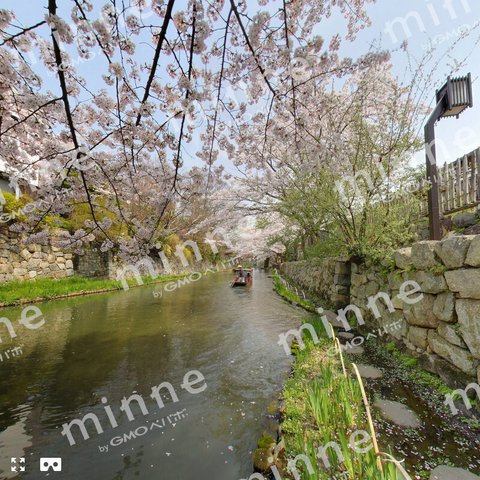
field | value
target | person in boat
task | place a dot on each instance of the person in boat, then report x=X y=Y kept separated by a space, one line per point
x=240 y=271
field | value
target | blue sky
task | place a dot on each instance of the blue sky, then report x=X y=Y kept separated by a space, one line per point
x=417 y=21
x=437 y=21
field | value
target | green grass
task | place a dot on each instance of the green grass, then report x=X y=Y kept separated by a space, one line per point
x=265 y=441
x=283 y=291
x=415 y=373
x=17 y=292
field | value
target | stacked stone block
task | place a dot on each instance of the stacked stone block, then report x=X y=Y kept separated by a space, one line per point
x=326 y=279
x=443 y=329
x=32 y=261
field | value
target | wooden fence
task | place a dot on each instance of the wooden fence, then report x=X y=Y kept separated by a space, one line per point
x=459 y=183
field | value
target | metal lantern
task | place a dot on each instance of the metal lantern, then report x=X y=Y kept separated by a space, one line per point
x=455 y=96
x=452 y=99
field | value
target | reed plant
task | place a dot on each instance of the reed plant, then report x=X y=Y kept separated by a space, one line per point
x=325 y=402
x=324 y=405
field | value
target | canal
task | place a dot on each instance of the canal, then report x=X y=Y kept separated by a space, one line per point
x=94 y=351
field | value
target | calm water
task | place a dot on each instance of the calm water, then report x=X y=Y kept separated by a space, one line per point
x=114 y=345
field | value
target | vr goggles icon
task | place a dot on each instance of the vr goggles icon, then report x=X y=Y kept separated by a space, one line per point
x=54 y=463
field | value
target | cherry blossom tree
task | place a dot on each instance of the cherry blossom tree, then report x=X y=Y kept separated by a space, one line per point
x=335 y=170
x=104 y=103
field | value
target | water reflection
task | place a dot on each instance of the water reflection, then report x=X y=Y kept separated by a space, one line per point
x=113 y=345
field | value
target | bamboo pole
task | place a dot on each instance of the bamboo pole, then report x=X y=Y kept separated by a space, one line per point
x=369 y=416
x=398 y=464
x=341 y=356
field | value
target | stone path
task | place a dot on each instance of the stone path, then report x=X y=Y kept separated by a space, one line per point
x=354 y=350
x=345 y=335
x=367 y=371
x=332 y=319
x=449 y=473
x=398 y=413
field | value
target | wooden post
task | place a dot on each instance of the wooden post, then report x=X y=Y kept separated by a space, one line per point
x=473 y=177
x=464 y=180
x=454 y=97
x=459 y=182
x=445 y=187
x=477 y=184
x=451 y=186
x=432 y=176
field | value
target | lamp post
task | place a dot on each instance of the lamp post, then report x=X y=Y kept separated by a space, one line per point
x=452 y=99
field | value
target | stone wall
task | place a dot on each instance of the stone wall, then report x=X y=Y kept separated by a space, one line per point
x=93 y=263
x=27 y=262
x=326 y=279
x=442 y=329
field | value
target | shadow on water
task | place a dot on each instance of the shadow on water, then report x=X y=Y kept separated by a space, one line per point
x=116 y=344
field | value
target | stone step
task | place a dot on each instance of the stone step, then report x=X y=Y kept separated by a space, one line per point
x=367 y=371
x=355 y=350
x=398 y=413
x=345 y=335
x=448 y=473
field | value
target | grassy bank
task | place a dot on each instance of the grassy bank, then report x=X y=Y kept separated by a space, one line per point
x=322 y=405
x=19 y=292
x=290 y=296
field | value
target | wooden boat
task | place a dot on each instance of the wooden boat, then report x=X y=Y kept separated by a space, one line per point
x=242 y=281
